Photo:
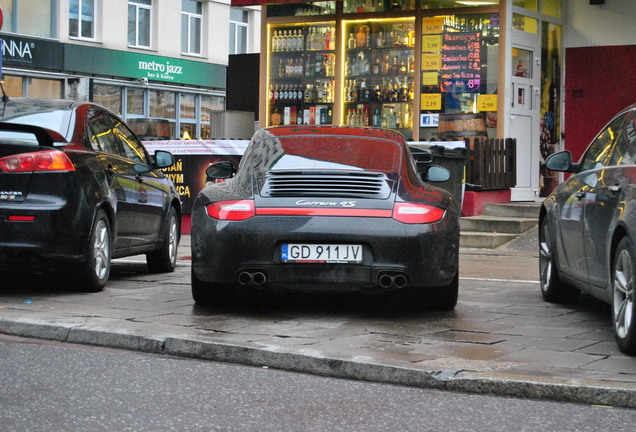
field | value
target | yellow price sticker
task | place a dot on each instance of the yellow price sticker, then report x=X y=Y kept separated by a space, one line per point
x=431 y=61
x=432 y=25
x=487 y=102
x=431 y=101
x=430 y=78
x=432 y=43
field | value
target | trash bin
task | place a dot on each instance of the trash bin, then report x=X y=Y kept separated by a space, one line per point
x=453 y=159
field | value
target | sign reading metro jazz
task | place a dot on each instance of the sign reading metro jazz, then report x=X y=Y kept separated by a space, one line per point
x=101 y=61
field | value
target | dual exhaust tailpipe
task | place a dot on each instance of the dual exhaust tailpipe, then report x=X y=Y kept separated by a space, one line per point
x=252 y=278
x=392 y=280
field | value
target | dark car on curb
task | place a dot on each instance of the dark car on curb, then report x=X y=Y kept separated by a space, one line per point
x=326 y=209
x=77 y=189
x=588 y=226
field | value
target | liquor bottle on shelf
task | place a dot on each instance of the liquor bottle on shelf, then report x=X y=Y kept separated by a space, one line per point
x=376 y=118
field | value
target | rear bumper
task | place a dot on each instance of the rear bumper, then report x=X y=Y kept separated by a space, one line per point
x=396 y=255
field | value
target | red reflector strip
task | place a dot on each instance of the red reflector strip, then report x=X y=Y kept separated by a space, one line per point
x=287 y=211
x=14 y=218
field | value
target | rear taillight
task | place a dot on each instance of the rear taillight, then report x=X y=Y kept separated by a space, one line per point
x=47 y=160
x=417 y=213
x=231 y=210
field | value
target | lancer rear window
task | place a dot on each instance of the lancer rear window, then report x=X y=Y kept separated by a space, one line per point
x=327 y=152
x=18 y=138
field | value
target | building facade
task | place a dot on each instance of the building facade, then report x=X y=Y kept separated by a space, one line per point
x=160 y=64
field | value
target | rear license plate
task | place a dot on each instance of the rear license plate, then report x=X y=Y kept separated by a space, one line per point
x=321 y=253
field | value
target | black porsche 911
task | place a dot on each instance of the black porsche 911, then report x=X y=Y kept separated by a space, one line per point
x=77 y=189
x=326 y=208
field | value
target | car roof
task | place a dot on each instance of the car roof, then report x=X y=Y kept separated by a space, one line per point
x=362 y=132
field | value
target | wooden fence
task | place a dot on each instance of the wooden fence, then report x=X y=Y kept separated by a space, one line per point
x=491 y=164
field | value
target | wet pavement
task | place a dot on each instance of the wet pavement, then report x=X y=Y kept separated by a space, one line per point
x=501 y=339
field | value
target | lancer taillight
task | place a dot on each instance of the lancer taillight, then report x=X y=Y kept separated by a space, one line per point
x=417 y=213
x=231 y=210
x=47 y=160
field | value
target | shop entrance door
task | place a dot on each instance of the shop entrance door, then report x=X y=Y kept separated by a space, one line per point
x=524 y=118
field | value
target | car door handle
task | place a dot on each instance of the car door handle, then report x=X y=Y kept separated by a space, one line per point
x=580 y=195
x=110 y=171
x=614 y=189
x=139 y=178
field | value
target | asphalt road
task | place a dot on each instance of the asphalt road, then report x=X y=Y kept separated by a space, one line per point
x=51 y=386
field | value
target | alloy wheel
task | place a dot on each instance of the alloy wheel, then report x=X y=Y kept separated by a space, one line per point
x=101 y=248
x=623 y=294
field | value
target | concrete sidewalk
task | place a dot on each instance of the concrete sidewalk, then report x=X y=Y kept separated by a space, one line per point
x=501 y=339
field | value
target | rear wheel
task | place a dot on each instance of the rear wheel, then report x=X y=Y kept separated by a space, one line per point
x=553 y=289
x=623 y=297
x=165 y=259
x=210 y=294
x=95 y=269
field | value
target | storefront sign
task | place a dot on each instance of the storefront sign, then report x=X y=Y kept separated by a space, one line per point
x=461 y=62
x=100 y=61
x=30 y=52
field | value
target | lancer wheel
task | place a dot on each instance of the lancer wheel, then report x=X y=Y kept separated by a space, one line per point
x=165 y=259
x=553 y=289
x=623 y=296
x=95 y=269
x=209 y=294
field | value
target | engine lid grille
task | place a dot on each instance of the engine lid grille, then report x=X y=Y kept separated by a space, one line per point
x=350 y=184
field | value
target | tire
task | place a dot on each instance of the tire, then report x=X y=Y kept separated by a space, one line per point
x=623 y=301
x=553 y=289
x=95 y=269
x=209 y=294
x=165 y=259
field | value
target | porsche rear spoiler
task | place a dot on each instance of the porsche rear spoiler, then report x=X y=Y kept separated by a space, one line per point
x=43 y=135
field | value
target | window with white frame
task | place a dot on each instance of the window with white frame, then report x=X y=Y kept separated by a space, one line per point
x=81 y=19
x=139 y=23
x=238 y=31
x=191 y=24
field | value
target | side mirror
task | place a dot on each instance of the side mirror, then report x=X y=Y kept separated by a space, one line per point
x=435 y=174
x=163 y=159
x=561 y=161
x=220 y=170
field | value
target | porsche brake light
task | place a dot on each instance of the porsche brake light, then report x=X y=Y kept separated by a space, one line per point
x=417 y=213
x=231 y=210
x=47 y=160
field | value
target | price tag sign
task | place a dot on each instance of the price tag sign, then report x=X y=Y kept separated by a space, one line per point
x=431 y=61
x=431 y=101
x=432 y=25
x=430 y=78
x=487 y=102
x=432 y=43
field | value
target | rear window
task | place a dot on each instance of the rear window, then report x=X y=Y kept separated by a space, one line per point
x=327 y=152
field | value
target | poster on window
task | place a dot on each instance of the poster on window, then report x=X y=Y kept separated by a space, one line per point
x=76 y=88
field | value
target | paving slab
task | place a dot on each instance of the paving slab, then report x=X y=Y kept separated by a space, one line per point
x=501 y=339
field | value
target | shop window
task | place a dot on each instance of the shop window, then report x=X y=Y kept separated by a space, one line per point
x=188 y=131
x=44 y=88
x=108 y=96
x=361 y=6
x=81 y=21
x=33 y=17
x=208 y=104
x=139 y=23
x=187 y=106
x=551 y=7
x=135 y=102
x=13 y=86
x=526 y=4
x=525 y=23
x=238 y=31
x=301 y=9
x=191 y=19
x=162 y=104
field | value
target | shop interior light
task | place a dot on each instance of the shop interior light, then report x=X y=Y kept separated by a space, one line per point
x=477 y=3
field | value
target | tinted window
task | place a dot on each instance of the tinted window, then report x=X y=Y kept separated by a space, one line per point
x=132 y=147
x=625 y=149
x=596 y=155
x=100 y=134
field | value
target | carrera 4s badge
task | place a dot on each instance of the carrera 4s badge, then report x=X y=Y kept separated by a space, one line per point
x=326 y=203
